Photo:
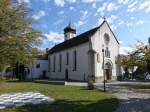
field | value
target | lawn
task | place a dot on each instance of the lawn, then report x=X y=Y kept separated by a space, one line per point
x=68 y=98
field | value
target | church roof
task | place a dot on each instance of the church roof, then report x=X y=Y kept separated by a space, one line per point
x=80 y=39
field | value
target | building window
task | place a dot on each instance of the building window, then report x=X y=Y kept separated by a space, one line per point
x=67 y=58
x=60 y=62
x=38 y=65
x=74 y=60
x=54 y=64
x=49 y=63
x=107 y=52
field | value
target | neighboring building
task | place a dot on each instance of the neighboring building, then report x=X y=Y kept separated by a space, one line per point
x=39 y=69
x=80 y=57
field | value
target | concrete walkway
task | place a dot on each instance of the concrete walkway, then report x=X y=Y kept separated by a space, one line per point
x=131 y=98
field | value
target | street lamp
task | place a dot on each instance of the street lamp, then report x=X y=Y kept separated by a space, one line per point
x=103 y=68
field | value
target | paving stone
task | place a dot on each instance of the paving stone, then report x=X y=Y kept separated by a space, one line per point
x=21 y=99
x=9 y=104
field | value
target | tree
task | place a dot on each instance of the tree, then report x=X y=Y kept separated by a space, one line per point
x=139 y=57
x=17 y=37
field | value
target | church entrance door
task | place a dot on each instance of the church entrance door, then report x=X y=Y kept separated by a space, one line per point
x=108 y=71
x=108 y=74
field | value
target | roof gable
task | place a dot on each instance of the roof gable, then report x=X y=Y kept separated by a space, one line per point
x=112 y=32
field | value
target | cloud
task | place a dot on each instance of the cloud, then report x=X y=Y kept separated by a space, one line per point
x=107 y=7
x=132 y=4
x=59 y=3
x=121 y=22
x=60 y=12
x=131 y=9
x=80 y=23
x=89 y=1
x=83 y=18
x=54 y=37
x=84 y=15
x=100 y=20
x=113 y=27
x=39 y=15
x=111 y=7
x=102 y=8
x=125 y=49
x=111 y=19
x=123 y=1
x=132 y=18
x=145 y=6
x=140 y=22
x=71 y=1
x=129 y=24
x=71 y=8
x=94 y=5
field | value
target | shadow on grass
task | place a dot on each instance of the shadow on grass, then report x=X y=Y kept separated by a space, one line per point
x=107 y=105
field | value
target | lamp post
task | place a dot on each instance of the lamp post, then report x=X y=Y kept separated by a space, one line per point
x=103 y=69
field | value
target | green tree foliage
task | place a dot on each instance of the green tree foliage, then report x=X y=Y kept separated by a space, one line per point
x=17 y=37
x=139 y=57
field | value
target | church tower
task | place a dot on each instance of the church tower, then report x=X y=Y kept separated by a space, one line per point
x=69 y=32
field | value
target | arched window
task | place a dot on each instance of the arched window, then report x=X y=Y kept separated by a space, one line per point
x=74 y=60
x=49 y=63
x=54 y=64
x=60 y=62
x=67 y=58
x=107 y=52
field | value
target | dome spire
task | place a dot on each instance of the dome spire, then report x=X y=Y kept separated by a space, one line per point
x=69 y=31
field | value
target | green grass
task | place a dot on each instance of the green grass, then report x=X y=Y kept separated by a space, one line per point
x=68 y=98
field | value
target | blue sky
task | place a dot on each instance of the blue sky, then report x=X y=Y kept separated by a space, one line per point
x=129 y=19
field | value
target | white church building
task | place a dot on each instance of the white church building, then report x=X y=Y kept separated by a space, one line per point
x=81 y=56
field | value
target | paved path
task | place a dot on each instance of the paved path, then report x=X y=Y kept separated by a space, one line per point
x=131 y=99
x=21 y=99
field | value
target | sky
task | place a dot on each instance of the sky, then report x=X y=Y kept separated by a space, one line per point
x=129 y=19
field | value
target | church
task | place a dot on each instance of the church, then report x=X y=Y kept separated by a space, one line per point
x=91 y=54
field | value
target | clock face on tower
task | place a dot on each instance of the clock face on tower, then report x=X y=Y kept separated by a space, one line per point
x=106 y=38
